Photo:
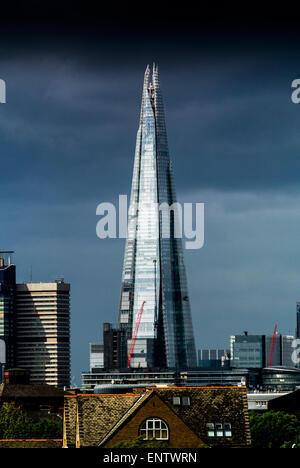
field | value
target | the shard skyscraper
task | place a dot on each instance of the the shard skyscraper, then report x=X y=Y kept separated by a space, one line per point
x=154 y=290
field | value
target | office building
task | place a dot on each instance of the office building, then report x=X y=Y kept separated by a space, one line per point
x=280 y=378
x=254 y=351
x=7 y=309
x=167 y=377
x=96 y=356
x=43 y=331
x=114 y=341
x=154 y=279
x=298 y=320
x=213 y=357
x=277 y=378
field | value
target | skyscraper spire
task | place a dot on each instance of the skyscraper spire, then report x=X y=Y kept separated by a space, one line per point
x=165 y=334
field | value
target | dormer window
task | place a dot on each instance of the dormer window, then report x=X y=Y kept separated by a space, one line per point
x=181 y=401
x=176 y=400
x=219 y=429
x=186 y=401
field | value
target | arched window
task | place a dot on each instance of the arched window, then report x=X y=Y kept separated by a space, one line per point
x=154 y=427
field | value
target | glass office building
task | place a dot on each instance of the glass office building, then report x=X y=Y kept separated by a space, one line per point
x=247 y=351
x=254 y=351
x=153 y=271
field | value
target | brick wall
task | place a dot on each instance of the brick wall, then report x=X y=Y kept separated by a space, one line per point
x=180 y=436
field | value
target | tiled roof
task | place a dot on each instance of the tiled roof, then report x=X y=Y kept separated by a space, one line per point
x=125 y=417
x=101 y=416
x=211 y=404
x=97 y=415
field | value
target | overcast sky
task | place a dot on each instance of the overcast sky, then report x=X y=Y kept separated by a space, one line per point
x=67 y=141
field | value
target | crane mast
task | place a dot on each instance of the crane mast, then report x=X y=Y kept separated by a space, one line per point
x=272 y=346
x=136 y=329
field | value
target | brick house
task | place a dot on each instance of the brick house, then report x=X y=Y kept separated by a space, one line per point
x=183 y=417
x=38 y=400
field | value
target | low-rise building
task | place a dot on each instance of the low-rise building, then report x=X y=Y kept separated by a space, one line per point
x=288 y=402
x=260 y=401
x=38 y=400
x=182 y=417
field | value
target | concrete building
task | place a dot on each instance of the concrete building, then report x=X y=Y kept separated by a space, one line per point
x=114 y=341
x=260 y=401
x=43 y=331
x=7 y=309
x=289 y=402
x=170 y=377
x=298 y=320
x=96 y=356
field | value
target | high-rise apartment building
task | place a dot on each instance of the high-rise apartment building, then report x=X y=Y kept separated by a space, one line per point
x=7 y=309
x=114 y=347
x=42 y=331
x=298 y=320
x=153 y=271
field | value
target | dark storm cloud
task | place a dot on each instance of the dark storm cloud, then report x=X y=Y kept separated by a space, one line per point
x=67 y=138
x=231 y=115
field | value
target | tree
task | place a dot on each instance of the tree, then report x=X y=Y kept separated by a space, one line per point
x=15 y=424
x=274 y=429
x=48 y=429
x=293 y=444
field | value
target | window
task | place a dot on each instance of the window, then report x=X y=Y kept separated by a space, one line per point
x=156 y=428
x=210 y=427
x=218 y=430
x=186 y=401
x=227 y=429
x=261 y=403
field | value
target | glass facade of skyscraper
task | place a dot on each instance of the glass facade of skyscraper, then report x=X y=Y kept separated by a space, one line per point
x=153 y=271
x=256 y=351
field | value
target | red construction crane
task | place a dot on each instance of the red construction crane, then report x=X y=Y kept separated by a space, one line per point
x=137 y=325
x=272 y=346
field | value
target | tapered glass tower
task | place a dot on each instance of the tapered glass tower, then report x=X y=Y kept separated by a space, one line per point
x=154 y=306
